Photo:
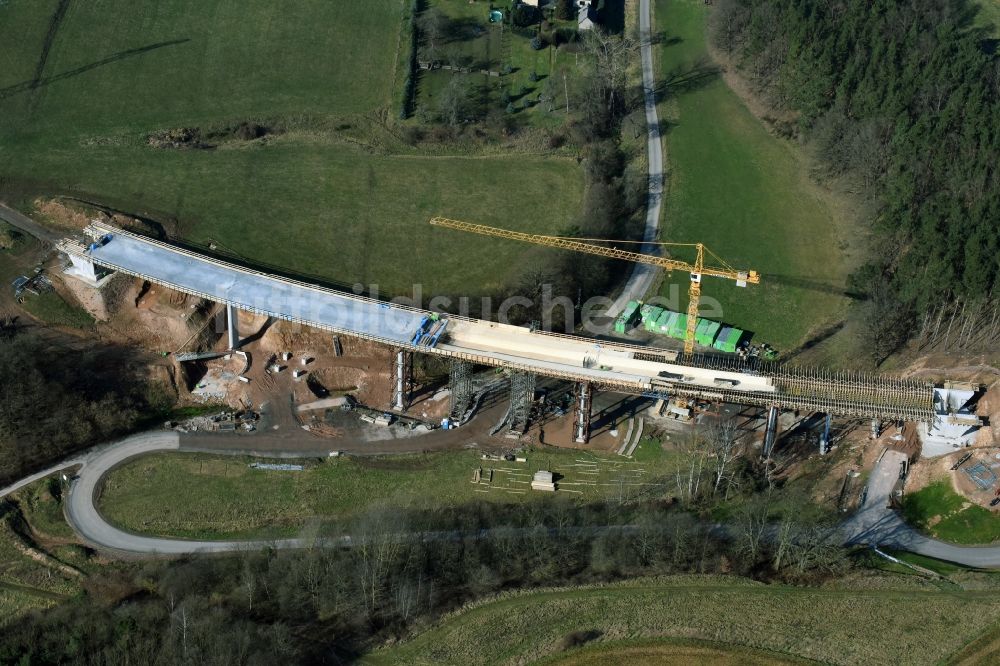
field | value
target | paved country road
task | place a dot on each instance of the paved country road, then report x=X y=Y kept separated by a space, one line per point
x=877 y=524
x=643 y=274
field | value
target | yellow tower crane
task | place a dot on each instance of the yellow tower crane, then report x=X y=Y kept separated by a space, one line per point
x=696 y=270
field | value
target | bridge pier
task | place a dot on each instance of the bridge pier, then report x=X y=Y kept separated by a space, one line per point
x=771 y=432
x=460 y=385
x=581 y=428
x=522 y=395
x=233 y=326
x=402 y=371
x=824 y=438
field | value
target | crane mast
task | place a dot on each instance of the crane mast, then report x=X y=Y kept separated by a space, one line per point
x=696 y=270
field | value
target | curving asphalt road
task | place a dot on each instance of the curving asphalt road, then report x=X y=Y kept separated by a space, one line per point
x=643 y=275
x=87 y=521
x=877 y=524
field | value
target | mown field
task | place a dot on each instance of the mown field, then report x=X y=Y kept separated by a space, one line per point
x=331 y=191
x=204 y=496
x=744 y=193
x=842 y=626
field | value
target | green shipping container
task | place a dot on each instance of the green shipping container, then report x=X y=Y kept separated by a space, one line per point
x=727 y=339
x=661 y=324
x=678 y=329
x=668 y=321
x=650 y=313
x=630 y=309
x=706 y=332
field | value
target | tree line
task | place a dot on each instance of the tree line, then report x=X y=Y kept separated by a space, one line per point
x=902 y=99
x=332 y=605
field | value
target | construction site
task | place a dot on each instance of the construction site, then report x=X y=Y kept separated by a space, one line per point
x=304 y=361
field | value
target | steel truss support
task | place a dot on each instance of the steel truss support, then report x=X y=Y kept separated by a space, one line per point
x=460 y=385
x=522 y=395
x=402 y=374
x=581 y=427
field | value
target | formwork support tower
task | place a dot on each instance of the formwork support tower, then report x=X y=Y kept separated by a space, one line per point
x=581 y=426
x=402 y=376
x=460 y=385
x=522 y=395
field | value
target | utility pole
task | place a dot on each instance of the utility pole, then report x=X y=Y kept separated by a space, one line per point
x=566 y=89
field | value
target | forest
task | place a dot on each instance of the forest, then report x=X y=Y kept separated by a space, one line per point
x=900 y=99
x=55 y=400
x=333 y=605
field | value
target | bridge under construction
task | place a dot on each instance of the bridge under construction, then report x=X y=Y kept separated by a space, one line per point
x=601 y=364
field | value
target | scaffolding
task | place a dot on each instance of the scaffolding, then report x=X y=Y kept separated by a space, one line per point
x=460 y=385
x=843 y=393
x=581 y=428
x=522 y=395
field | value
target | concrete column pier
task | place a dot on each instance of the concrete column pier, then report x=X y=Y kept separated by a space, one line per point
x=770 y=434
x=400 y=395
x=232 y=325
x=581 y=428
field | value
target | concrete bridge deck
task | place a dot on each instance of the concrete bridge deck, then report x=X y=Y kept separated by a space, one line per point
x=617 y=366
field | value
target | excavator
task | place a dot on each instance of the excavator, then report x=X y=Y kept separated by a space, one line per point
x=697 y=270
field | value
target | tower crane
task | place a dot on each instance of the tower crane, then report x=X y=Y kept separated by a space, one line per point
x=589 y=246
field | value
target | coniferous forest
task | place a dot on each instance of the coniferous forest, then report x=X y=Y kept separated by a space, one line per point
x=901 y=98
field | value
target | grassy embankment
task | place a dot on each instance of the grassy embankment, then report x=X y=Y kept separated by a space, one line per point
x=889 y=622
x=30 y=583
x=335 y=193
x=203 y=496
x=946 y=515
x=744 y=193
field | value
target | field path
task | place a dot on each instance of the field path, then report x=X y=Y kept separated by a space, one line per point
x=27 y=225
x=643 y=274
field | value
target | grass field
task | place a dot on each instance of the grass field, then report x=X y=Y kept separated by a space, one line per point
x=744 y=193
x=943 y=513
x=202 y=496
x=843 y=626
x=336 y=195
